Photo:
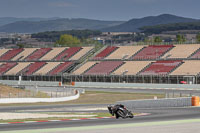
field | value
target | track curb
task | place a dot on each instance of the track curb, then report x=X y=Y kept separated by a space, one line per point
x=60 y=120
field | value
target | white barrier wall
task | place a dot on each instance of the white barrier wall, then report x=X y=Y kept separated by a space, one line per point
x=37 y=100
x=28 y=83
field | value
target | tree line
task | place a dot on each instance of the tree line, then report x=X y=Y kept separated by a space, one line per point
x=157 y=29
x=53 y=36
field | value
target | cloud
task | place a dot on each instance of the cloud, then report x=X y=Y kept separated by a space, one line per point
x=61 y=4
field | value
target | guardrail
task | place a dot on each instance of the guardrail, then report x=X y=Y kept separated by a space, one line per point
x=157 y=103
x=138 y=85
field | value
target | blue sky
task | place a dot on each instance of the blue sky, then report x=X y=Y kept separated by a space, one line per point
x=98 y=9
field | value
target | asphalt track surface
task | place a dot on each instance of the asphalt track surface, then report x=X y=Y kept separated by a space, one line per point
x=157 y=115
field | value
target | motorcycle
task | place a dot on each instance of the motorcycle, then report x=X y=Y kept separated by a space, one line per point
x=119 y=111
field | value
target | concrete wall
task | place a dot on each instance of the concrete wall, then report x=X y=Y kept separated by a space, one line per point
x=171 y=102
x=138 y=85
x=37 y=100
x=32 y=83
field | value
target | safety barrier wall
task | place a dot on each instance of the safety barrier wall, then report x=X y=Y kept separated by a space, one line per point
x=170 y=102
x=37 y=100
x=137 y=85
x=38 y=83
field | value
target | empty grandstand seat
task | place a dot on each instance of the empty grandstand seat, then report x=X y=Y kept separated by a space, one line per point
x=196 y=55
x=161 y=67
x=6 y=66
x=53 y=53
x=189 y=67
x=3 y=51
x=10 y=54
x=124 y=52
x=38 y=54
x=61 y=68
x=83 y=68
x=47 y=68
x=181 y=51
x=24 y=54
x=107 y=51
x=152 y=52
x=131 y=68
x=104 y=68
x=29 y=70
x=19 y=67
x=84 y=51
x=68 y=53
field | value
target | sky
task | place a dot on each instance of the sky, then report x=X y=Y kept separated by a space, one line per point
x=98 y=9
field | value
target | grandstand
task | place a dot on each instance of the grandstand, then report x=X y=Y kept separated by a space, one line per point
x=67 y=53
x=10 y=54
x=136 y=64
x=47 y=68
x=104 y=68
x=84 y=68
x=131 y=68
x=25 y=53
x=62 y=67
x=6 y=67
x=3 y=51
x=181 y=51
x=161 y=67
x=19 y=67
x=124 y=52
x=52 y=54
x=188 y=68
x=152 y=52
x=107 y=51
x=38 y=54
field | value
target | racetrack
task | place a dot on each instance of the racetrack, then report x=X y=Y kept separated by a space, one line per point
x=165 y=120
x=157 y=116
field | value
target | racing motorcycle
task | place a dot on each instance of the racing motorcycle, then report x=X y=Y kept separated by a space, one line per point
x=119 y=110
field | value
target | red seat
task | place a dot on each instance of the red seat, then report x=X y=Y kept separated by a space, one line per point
x=7 y=66
x=65 y=55
x=105 y=52
x=10 y=54
x=160 y=67
x=152 y=52
x=32 y=68
x=61 y=68
x=38 y=54
x=104 y=68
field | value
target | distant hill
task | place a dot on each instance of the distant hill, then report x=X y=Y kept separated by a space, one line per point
x=133 y=25
x=157 y=29
x=56 y=25
x=8 y=20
